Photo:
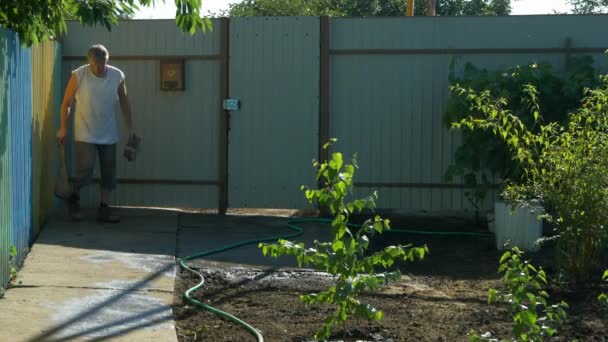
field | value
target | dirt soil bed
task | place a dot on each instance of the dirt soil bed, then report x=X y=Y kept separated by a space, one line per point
x=439 y=299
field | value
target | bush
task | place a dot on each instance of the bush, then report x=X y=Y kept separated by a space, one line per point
x=563 y=168
x=481 y=158
x=534 y=318
x=345 y=256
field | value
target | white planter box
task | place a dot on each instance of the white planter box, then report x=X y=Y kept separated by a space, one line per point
x=519 y=228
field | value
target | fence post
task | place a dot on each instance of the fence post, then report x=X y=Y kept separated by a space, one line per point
x=224 y=118
x=324 y=87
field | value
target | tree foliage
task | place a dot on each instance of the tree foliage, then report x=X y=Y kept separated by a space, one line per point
x=38 y=20
x=589 y=6
x=365 y=8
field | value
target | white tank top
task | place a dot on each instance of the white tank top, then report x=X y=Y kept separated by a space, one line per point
x=97 y=105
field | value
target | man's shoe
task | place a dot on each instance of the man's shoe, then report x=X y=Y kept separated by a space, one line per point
x=104 y=214
x=74 y=208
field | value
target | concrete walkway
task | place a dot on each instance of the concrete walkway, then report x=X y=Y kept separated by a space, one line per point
x=90 y=282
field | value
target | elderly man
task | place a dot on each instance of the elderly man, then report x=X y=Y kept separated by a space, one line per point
x=99 y=89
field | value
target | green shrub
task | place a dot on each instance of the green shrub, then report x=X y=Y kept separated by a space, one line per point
x=563 y=169
x=534 y=319
x=603 y=298
x=345 y=256
x=482 y=159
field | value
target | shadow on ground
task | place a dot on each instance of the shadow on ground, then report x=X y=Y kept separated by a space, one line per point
x=146 y=231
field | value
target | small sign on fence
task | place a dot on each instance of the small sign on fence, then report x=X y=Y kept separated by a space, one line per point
x=231 y=104
x=172 y=75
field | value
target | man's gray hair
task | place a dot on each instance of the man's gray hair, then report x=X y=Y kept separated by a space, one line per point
x=98 y=52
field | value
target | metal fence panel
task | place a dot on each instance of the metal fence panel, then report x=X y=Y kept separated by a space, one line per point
x=147 y=38
x=389 y=114
x=179 y=129
x=20 y=125
x=389 y=84
x=6 y=222
x=465 y=32
x=46 y=99
x=274 y=72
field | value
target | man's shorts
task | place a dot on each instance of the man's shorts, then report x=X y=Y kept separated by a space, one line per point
x=85 y=163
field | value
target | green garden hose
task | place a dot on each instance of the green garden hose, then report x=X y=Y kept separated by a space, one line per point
x=297 y=231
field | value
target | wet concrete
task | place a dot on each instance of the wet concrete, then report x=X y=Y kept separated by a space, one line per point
x=90 y=281
x=77 y=314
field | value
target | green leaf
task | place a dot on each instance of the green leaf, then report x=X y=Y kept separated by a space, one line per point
x=349 y=169
x=504 y=257
x=527 y=317
x=337 y=245
x=336 y=161
x=386 y=223
x=549 y=331
x=378 y=227
x=350 y=207
x=492 y=296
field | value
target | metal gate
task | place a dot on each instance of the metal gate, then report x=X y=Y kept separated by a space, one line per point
x=178 y=162
x=194 y=153
x=273 y=136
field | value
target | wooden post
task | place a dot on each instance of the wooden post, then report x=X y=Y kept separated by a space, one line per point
x=430 y=8
x=409 y=8
x=223 y=136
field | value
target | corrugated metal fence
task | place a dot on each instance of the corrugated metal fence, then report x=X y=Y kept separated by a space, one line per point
x=22 y=129
x=177 y=165
x=46 y=97
x=377 y=84
x=389 y=85
x=6 y=225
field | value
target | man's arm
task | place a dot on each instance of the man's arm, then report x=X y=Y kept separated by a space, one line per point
x=125 y=107
x=68 y=98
